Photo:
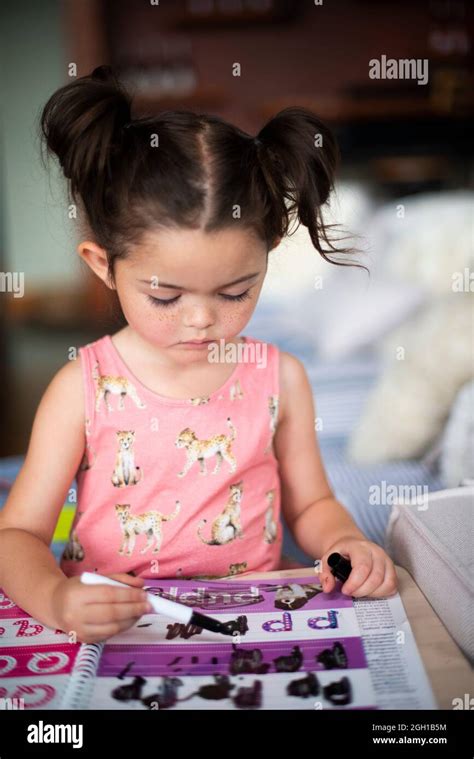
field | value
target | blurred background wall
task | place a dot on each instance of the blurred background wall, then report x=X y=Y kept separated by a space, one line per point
x=35 y=238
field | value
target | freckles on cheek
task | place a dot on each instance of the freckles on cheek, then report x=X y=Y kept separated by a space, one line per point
x=233 y=321
x=162 y=323
x=168 y=329
x=151 y=322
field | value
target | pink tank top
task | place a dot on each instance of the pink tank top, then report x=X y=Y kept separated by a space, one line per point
x=177 y=487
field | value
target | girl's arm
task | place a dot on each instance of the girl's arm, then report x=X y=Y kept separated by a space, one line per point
x=28 y=569
x=319 y=523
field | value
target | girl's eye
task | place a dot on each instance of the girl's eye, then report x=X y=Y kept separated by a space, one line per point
x=161 y=302
x=241 y=296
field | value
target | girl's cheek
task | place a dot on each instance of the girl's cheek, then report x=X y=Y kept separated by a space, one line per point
x=161 y=325
x=236 y=318
x=153 y=323
x=231 y=323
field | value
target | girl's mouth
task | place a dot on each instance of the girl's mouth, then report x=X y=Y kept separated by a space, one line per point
x=196 y=343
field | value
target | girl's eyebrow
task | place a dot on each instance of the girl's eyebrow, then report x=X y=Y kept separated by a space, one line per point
x=177 y=287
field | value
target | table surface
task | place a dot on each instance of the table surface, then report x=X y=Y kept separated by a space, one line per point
x=448 y=670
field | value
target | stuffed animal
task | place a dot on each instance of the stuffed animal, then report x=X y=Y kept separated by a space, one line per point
x=428 y=358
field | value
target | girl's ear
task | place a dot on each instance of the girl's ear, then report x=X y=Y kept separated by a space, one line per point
x=96 y=258
x=276 y=243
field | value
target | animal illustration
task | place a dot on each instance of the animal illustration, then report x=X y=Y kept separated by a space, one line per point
x=90 y=456
x=149 y=524
x=181 y=630
x=290 y=663
x=293 y=595
x=167 y=695
x=235 y=391
x=247 y=661
x=226 y=527
x=121 y=386
x=249 y=697
x=234 y=569
x=271 y=528
x=200 y=400
x=131 y=691
x=308 y=686
x=221 y=688
x=239 y=625
x=199 y=450
x=73 y=551
x=238 y=568
x=125 y=472
x=333 y=658
x=273 y=410
x=339 y=692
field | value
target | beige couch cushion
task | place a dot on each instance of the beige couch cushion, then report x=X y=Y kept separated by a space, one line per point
x=433 y=539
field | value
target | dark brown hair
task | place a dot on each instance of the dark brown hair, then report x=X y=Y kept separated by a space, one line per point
x=202 y=170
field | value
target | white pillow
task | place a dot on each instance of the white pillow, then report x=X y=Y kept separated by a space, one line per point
x=457 y=451
x=413 y=247
x=356 y=313
x=424 y=239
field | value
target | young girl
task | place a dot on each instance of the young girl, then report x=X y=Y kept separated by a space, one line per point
x=188 y=440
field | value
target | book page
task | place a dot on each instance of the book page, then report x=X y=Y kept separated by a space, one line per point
x=293 y=647
x=397 y=672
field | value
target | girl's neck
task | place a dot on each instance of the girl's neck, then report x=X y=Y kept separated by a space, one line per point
x=166 y=377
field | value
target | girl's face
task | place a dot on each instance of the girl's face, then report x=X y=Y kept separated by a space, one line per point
x=180 y=285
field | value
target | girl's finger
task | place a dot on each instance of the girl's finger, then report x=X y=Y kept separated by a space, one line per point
x=101 y=614
x=362 y=562
x=328 y=581
x=107 y=594
x=129 y=579
x=374 y=580
x=390 y=583
x=99 y=633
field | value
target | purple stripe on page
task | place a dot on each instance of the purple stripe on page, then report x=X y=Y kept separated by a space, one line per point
x=208 y=659
x=289 y=594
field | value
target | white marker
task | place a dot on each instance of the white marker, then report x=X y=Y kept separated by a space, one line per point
x=166 y=607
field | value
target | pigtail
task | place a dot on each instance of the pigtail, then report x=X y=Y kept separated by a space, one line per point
x=83 y=124
x=201 y=171
x=298 y=157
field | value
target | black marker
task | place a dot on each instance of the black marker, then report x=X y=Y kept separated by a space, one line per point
x=340 y=567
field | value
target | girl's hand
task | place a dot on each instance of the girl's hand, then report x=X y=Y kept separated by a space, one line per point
x=373 y=572
x=96 y=612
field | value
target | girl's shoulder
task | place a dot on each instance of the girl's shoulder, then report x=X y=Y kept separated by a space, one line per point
x=67 y=384
x=62 y=403
x=293 y=379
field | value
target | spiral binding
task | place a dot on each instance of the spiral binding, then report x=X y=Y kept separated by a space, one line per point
x=78 y=689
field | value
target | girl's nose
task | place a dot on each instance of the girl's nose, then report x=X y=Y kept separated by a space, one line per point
x=199 y=317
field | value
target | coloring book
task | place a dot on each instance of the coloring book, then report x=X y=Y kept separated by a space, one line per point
x=293 y=647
